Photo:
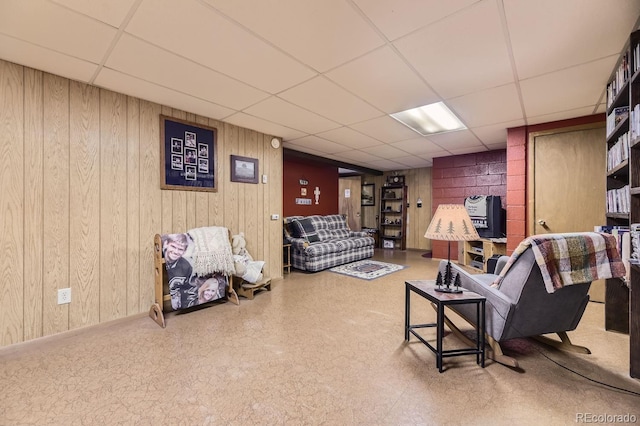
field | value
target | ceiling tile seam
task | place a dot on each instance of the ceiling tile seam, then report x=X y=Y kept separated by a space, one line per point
x=244 y=83
x=322 y=116
x=393 y=48
x=116 y=39
x=21 y=40
x=171 y=89
x=507 y=39
x=476 y=3
x=257 y=35
x=272 y=122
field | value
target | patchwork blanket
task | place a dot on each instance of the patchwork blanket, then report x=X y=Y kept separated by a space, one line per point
x=189 y=286
x=571 y=258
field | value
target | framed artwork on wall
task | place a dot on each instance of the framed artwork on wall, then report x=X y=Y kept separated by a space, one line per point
x=368 y=197
x=244 y=169
x=187 y=155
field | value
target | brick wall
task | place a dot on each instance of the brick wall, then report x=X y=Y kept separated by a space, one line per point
x=457 y=177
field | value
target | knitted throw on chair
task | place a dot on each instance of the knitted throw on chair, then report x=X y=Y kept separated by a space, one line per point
x=212 y=251
x=571 y=258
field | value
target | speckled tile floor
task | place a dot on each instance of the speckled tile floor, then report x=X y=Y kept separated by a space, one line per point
x=318 y=349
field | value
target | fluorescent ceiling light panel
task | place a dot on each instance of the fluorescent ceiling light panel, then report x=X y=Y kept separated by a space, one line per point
x=430 y=119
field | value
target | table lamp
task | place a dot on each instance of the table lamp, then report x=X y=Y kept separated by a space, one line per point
x=451 y=222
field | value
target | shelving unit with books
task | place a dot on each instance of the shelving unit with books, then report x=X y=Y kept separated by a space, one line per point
x=620 y=156
x=623 y=189
x=393 y=216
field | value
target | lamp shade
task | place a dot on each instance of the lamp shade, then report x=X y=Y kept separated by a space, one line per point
x=451 y=222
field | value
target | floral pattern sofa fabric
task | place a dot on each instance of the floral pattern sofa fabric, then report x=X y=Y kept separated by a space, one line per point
x=321 y=242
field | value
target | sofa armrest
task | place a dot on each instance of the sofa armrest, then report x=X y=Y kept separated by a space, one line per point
x=298 y=243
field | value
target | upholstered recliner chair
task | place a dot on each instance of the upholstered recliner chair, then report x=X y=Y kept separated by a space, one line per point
x=542 y=288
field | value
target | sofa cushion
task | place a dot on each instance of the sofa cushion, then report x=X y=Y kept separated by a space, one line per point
x=336 y=221
x=318 y=222
x=321 y=249
x=353 y=243
x=325 y=235
x=339 y=233
x=303 y=228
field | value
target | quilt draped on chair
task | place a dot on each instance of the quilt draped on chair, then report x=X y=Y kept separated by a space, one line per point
x=571 y=258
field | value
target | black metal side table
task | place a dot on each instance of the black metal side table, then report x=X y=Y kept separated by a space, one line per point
x=427 y=289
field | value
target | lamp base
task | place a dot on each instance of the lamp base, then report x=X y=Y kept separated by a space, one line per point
x=448 y=290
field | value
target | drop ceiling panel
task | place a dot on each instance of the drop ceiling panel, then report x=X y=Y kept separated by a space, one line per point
x=142 y=60
x=384 y=129
x=112 y=12
x=387 y=151
x=456 y=140
x=417 y=146
x=496 y=134
x=198 y=32
x=562 y=45
x=250 y=122
x=319 y=144
x=567 y=89
x=132 y=86
x=322 y=34
x=462 y=53
x=360 y=156
x=396 y=18
x=384 y=80
x=328 y=100
x=304 y=148
x=279 y=111
x=37 y=57
x=56 y=28
x=472 y=110
x=386 y=165
x=350 y=138
x=562 y=115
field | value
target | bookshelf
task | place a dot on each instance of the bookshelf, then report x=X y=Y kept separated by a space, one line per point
x=623 y=187
x=393 y=217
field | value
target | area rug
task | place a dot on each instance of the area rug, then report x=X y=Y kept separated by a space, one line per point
x=367 y=269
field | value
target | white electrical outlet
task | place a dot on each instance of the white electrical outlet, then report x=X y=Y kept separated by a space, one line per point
x=64 y=296
x=275 y=216
x=264 y=178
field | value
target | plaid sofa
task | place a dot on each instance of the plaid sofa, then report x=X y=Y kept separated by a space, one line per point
x=324 y=242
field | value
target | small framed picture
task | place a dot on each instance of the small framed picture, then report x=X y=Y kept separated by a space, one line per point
x=203 y=150
x=368 y=194
x=176 y=146
x=190 y=139
x=244 y=169
x=203 y=165
x=176 y=162
x=190 y=156
x=190 y=172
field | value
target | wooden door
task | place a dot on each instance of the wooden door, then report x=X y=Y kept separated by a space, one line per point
x=568 y=187
x=349 y=191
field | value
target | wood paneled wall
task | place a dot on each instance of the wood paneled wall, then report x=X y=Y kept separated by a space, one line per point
x=418 y=183
x=81 y=201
